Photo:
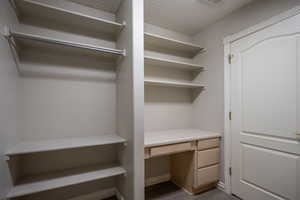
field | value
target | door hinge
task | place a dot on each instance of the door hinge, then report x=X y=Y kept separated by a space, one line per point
x=230 y=115
x=230 y=171
x=230 y=57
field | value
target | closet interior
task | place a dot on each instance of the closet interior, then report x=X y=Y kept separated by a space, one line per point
x=149 y=99
x=105 y=102
x=73 y=66
x=176 y=149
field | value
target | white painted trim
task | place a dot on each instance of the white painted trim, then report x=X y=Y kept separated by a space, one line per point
x=227 y=82
x=273 y=20
x=157 y=179
x=227 y=108
x=221 y=186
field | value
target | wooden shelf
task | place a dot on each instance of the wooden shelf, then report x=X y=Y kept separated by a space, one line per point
x=169 y=83
x=61 y=144
x=149 y=60
x=44 y=10
x=65 y=178
x=172 y=45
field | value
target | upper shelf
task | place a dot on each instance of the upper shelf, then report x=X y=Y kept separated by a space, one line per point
x=172 y=46
x=155 y=61
x=35 y=40
x=64 y=178
x=169 y=83
x=44 y=10
x=60 y=144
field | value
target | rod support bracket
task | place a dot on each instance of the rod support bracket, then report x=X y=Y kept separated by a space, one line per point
x=6 y=158
x=5 y=31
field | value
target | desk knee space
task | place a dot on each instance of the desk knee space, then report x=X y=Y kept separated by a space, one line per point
x=194 y=165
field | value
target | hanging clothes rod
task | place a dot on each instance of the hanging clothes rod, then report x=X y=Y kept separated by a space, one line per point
x=11 y=35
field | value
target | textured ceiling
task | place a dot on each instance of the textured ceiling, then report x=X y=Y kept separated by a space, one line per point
x=184 y=16
x=188 y=16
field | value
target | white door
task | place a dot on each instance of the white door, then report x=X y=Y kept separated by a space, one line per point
x=265 y=104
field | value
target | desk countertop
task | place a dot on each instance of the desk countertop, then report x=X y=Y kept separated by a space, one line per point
x=176 y=136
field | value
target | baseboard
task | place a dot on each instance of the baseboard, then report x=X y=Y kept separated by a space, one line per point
x=221 y=186
x=157 y=179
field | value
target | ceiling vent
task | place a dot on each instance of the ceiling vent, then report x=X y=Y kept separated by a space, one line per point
x=211 y=2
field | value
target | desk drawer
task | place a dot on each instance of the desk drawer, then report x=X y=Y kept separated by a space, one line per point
x=207 y=175
x=171 y=149
x=147 y=153
x=208 y=157
x=208 y=144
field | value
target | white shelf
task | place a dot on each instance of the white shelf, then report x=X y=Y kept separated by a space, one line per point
x=64 y=178
x=21 y=41
x=61 y=144
x=105 y=5
x=149 y=60
x=169 y=83
x=44 y=10
x=31 y=39
x=160 y=42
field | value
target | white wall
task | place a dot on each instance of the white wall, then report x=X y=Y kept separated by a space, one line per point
x=166 y=107
x=209 y=106
x=63 y=93
x=8 y=96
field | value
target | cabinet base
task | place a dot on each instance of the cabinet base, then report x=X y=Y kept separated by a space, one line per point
x=195 y=191
x=204 y=188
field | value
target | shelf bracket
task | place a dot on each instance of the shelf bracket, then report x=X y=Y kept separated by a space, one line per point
x=14 y=49
x=124 y=52
x=6 y=158
x=5 y=31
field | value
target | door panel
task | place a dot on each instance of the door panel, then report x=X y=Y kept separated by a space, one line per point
x=269 y=87
x=280 y=168
x=265 y=97
x=279 y=144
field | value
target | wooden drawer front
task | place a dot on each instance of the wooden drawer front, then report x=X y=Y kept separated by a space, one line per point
x=147 y=153
x=207 y=175
x=208 y=144
x=170 y=149
x=208 y=157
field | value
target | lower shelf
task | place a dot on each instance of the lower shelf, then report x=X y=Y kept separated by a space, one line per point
x=101 y=194
x=64 y=178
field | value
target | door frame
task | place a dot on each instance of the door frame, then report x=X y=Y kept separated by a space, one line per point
x=227 y=41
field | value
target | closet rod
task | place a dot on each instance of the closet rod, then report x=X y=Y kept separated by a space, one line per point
x=10 y=35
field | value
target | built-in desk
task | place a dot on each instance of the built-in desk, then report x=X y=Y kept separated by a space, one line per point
x=194 y=156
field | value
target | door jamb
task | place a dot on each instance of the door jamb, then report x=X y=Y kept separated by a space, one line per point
x=227 y=41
